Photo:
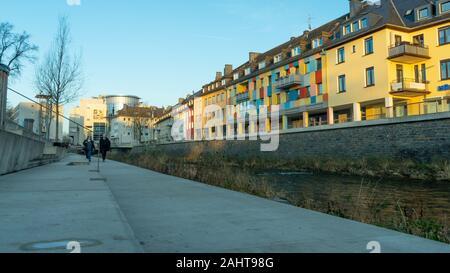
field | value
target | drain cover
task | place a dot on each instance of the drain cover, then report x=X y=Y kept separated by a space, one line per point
x=58 y=245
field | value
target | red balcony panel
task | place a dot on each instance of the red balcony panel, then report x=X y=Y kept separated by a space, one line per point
x=325 y=97
x=261 y=93
x=319 y=76
x=303 y=92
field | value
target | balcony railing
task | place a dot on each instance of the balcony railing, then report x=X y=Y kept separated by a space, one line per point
x=288 y=82
x=242 y=97
x=409 y=88
x=409 y=53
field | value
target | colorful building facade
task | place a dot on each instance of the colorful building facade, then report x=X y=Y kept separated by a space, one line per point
x=387 y=59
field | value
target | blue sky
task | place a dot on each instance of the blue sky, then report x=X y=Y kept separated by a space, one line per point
x=161 y=50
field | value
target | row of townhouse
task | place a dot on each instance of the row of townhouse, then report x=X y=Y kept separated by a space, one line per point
x=381 y=60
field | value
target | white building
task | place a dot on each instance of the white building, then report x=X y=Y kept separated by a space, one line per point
x=33 y=118
x=133 y=126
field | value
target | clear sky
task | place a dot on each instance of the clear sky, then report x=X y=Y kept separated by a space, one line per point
x=161 y=50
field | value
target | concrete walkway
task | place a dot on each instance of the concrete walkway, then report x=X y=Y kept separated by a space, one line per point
x=136 y=210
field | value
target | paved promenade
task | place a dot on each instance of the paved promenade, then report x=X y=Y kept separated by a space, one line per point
x=128 y=209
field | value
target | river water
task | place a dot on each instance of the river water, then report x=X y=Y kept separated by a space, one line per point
x=371 y=200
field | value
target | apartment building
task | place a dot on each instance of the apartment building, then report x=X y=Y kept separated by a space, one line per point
x=385 y=59
x=214 y=102
x=92 y=113
x=183 y=117
x=390 y=59
x=37 y=119
x=133 y=126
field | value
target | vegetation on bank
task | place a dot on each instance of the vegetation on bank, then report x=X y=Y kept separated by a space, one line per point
x=365 y=207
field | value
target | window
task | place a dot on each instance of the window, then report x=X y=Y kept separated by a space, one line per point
x=248 y=71
x=354 y=49
x=444 y=36
x=423 y=13
x=445 y=70
x=317 y=42
x=347 y=29
x=319 y=64
x=356 y=26
x=370 y=76
x=364 y=23
x=445 y=7
x=419 y=40
x=235 y=76
x=296 y=51
x=368 y=45
x=341 y=84
x=261 y=65
x=307 y=67
x=341 y=55
x=420 y=73
x=320 y=88
x=277 y=58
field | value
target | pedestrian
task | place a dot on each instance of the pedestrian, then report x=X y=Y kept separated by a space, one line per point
x=105 y=146
x=89 y=148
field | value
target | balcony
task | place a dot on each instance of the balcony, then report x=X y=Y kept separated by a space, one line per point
x=288 y=82
x=242 y=97
x=408 y=53
x=409 y=88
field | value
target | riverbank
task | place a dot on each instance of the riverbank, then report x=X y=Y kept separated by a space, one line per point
x=364 y=205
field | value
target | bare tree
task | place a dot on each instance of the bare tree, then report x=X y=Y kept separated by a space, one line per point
x=60 y=76
x=15 y=48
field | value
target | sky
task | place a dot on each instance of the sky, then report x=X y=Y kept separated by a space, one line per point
x=160 y=50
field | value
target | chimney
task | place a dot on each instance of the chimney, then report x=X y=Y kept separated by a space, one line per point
x=355 y=7
x=180 y=100
x=252 y=56
x=228 y=70
x=218 y=76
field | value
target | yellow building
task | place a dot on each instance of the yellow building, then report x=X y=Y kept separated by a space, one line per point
x=383 y=59
x=214 y=102
x=389 y=60
x=92 y=113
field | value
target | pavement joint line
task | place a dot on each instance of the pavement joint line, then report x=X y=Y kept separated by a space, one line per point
x=131 y=232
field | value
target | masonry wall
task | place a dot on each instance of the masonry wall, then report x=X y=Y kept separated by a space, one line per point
x=421 y=138
x=16 y=151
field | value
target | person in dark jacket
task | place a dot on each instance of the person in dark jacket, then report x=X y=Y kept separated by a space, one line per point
x=89 y=148
x=105 y=146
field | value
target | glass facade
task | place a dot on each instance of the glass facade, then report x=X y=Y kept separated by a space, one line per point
x=117 y=103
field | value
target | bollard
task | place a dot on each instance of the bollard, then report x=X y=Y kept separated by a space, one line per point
x=4 y=74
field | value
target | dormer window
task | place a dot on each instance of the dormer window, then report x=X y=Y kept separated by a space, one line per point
x=277 y=58
x=235 y=76
x=247 y=71
x=261 y=65
x=364 y=23
x=224 y=82
x=445 y=7
x=296 y=51
x=317 y=42
x=347 y=29
x=423 y=13
x=356 y=26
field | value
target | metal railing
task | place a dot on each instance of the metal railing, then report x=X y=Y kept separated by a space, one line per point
x=406 y=48
x=408 y=84
x=242 y=96
x=288 y=81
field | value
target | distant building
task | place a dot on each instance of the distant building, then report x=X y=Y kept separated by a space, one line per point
x=76 y=131
x=183 y=118
x=92 y=114
x=163 y=127
x=133 y=126
x=36 y=119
